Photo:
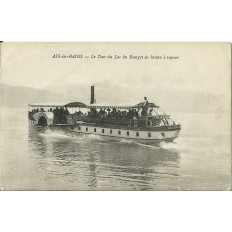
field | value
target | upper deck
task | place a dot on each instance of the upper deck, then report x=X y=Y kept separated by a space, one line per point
x=129 y=116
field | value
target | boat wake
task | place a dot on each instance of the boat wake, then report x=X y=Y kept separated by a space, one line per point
x=184 y=145
x=54 y=134
x=181 y=145
x=126 y=141
x=70 y=136
x=91 y=137
x=155 y=147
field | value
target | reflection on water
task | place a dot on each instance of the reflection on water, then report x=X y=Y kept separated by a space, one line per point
x=50 y=160
x=91 y=163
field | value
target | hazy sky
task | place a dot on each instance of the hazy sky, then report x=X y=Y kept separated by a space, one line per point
x=199 y=67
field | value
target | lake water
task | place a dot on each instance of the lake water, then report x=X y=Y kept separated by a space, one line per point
x=198 y=160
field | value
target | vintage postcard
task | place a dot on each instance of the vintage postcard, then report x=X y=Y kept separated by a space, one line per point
x=115 y=116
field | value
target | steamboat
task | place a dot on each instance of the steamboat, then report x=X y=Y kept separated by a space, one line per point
x=144 y=122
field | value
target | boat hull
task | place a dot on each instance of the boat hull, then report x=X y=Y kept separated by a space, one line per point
x=134 y=140
x=138 y=135
x=130 y=134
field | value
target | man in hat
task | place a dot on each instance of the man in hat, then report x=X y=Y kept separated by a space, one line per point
x=145 y=106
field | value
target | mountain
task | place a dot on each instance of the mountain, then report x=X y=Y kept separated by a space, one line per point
x=104 y=92
x=170 y=101
x=20 y=96
x=71 y=92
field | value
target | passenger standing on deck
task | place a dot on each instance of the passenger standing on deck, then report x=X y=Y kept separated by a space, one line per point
x=145 y=106
x=66 y=111
x=101 y=113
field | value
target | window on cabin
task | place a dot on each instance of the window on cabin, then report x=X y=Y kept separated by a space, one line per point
x=127 y=133
x=86 y=128
x=111 y=131
x=103 y=130
x=119 y=132
x=95 y=130
x=79 y=128
x=149 y=134
x=137 y=134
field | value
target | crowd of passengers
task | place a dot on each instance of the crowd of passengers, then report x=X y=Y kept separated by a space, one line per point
x=60 y=113
x=102 y=113
x=117 y=113
x=57 y=110
x=94 y=113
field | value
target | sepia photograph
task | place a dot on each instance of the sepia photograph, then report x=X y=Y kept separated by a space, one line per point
x=115 y=116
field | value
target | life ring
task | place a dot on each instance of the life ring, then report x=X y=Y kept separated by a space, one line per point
x=148 y=123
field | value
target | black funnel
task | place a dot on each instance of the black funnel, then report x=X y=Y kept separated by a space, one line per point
x=92 y=95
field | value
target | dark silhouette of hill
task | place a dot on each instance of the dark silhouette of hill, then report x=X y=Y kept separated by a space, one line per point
x=20 y=96
x=171 y=101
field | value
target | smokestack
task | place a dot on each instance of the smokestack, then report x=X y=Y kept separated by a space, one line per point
x=92 y=95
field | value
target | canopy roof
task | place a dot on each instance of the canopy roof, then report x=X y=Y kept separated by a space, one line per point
x=120 y=106
x=111 y=105
x=96 y=105
x=45 y=105
x=76 y=104
x=71 y=104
